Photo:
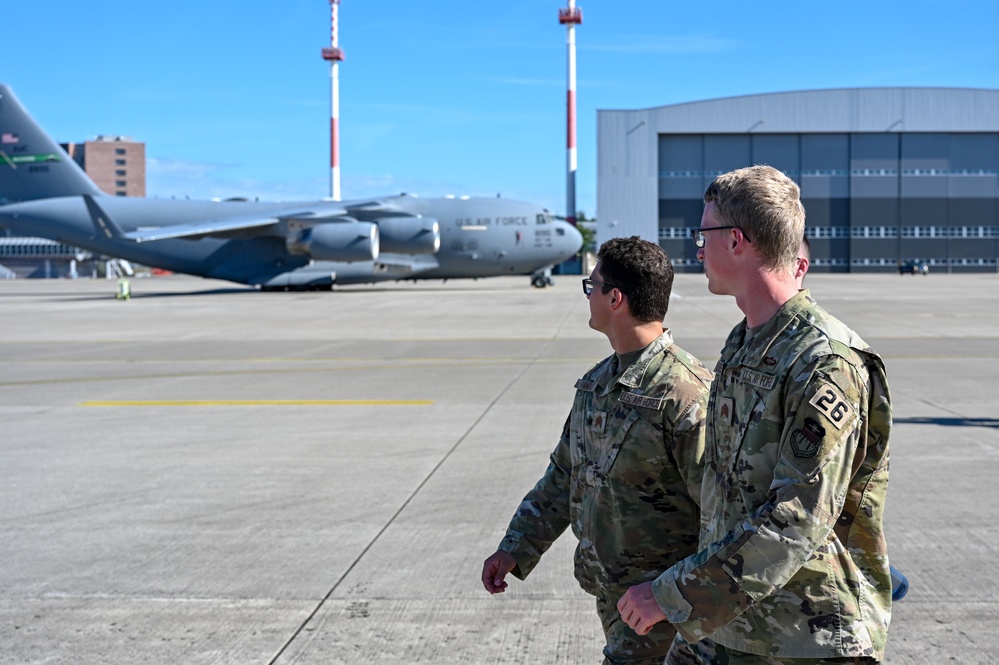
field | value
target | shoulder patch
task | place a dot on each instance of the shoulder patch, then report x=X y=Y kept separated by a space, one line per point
x=587 y=386
x=831 y=403
x=806 y=440
x=758 y=379
x=654 y=403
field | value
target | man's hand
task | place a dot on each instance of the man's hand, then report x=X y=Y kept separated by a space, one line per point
x=639 y=609
x=495 y=569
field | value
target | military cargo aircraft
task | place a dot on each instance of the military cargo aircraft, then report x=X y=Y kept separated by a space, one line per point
x=275 y=246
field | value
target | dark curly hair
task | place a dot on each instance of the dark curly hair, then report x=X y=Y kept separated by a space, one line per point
x=642 y=271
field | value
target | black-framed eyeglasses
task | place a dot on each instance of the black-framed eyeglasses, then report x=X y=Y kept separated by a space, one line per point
x=698 y=234
x=588 y=285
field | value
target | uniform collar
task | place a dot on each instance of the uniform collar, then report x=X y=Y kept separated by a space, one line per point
x=635 y=372
x=787 y=316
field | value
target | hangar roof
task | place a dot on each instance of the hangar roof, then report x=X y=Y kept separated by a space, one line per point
x=833 y=110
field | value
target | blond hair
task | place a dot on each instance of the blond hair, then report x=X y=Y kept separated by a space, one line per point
x=766 y=205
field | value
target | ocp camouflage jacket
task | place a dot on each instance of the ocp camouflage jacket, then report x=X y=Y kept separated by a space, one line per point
x=625 y=474
x=793 y=561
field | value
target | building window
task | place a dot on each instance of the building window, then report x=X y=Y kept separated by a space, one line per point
x=119 y=151
x=875 y=261
x=675 y=232
x=975 y=232
x=827 y=231
x=119 y=162
x=874 y=232
x=685 y=262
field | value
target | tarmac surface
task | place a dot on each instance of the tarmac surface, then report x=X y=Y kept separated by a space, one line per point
x=207 y=474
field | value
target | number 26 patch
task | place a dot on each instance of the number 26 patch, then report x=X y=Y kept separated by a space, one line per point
x=830 y=401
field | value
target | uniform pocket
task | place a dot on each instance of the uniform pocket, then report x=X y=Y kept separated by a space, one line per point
x=605 y=447
x=639 y=454
x=743 y=452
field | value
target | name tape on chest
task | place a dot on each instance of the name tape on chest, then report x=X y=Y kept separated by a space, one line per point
x=586 y=386
x=654 y=403
x=758 y=379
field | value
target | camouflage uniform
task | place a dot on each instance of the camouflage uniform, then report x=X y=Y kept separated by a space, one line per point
x=625 y=476
x=793 y=561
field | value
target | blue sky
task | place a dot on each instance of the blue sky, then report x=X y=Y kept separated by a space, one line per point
x=442 y=97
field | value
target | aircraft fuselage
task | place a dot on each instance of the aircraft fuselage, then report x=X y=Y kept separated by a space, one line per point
x=478 y=238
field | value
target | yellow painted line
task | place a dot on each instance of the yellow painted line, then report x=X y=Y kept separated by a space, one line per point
x=263 y=402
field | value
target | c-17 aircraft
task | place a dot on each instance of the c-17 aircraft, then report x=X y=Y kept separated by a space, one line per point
x=276 y=246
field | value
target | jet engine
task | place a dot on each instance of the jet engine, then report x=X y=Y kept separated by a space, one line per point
x=409 y=235
x=344 y=241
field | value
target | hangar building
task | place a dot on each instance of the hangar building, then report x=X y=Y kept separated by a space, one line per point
x=888 y=176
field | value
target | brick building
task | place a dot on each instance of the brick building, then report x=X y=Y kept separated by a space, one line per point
x=116 y=164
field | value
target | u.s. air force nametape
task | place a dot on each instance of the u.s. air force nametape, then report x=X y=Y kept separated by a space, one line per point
x=758 y=379
x=632 y=399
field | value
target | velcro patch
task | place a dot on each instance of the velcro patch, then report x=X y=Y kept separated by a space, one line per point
x=758 y=379
x=726 y=410
x=655 y=403
x=599 y=422
x=806 y=440
x=831 y=403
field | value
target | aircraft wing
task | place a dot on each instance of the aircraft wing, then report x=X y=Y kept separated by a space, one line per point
x=207 y=227
x=372 y=206
x=200 y=229
x=229 y=225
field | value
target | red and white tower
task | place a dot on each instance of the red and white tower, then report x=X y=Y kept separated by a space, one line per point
x=334 y=54
x=570 y=17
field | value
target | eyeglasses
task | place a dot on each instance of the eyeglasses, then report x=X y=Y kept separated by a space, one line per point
x=588 y=285
x=698 y=234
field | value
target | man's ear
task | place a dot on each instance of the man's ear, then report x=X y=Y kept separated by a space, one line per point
x=739 y=242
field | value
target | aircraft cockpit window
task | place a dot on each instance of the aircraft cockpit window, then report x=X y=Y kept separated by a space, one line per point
x=544 y=218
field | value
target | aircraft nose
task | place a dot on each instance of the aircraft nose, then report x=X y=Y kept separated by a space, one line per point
x=572 y=238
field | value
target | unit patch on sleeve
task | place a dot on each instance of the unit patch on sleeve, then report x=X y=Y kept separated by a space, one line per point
x=830 y=401
x=806 y=440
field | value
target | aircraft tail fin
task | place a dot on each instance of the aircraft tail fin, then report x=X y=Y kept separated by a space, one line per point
x=32 y=165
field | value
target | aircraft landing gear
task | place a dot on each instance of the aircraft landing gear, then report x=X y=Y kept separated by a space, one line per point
x=542 y=278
